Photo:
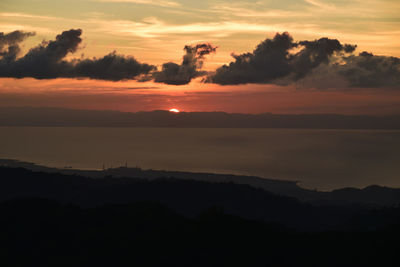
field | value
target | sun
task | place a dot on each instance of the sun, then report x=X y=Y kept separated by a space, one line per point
x=174 y=110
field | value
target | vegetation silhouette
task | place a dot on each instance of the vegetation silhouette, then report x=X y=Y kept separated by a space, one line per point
x=51 y=219
x=39 y=232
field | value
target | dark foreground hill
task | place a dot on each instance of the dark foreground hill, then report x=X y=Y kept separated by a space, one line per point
x=50 y=219
x=37 y=232
x=189 y=198
x=29 y=116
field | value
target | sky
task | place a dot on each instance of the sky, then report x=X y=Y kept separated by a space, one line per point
x=286 y=56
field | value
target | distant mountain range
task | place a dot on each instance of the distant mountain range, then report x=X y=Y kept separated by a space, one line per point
x=30 y=116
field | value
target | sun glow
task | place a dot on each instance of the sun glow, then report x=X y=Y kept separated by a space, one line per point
x=174 y=110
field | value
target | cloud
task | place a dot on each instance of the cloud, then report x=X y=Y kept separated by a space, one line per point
x=320 y=4
x=13 y=38
x=25 y=15
x=276 y=58
x=368 y=70
x=190 y=67
x=364 y=70
x=155 y=28
x=10 y=41
x=111 y=67
x=162 y=3
x=313 y=53
x=322 y=63
x=47 y=60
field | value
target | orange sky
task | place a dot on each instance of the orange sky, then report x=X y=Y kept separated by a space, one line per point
x=156 y=31
x=135 y=96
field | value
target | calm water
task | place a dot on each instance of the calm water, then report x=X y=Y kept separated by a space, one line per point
x=322 y=159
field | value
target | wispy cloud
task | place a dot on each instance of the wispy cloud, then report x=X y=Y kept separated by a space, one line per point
x=162 y=3
x=154 y=28
x=25 y=15
x=251 y=13
x=21 y=27
x=320 y=4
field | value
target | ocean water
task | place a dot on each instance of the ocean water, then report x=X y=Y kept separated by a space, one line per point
x=322 y=159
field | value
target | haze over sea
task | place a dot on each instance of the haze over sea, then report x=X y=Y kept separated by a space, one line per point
x=321 y=159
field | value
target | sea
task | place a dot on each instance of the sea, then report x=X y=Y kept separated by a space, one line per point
x=317 y=159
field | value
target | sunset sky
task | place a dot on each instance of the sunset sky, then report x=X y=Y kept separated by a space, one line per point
x=286 y=74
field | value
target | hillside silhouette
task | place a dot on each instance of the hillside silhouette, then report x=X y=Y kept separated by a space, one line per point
x=70 y=220
x=186 y=197
x=149 y=234
x=371 y=196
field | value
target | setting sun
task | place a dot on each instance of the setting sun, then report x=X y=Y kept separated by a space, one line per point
x=174 y=110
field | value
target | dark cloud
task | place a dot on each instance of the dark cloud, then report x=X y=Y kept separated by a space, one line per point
x=192 y=62
x=13 y=38
x=111 y=67
x=9 y=44
x=269 y=61
x=364 y=70
x=278 y=58
x=47 y=61
x=368 y=70
x=313 y=53
x=322 y=63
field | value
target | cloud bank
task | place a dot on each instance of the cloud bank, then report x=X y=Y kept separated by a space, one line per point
x=368 y=70
x=309 y=63
x=47 y=60
x=322 y=63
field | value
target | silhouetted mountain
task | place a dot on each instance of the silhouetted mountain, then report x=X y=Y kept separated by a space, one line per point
x=371 y=196
x=187 y=197
x=43 y=232
x=70 y=220
x=29 y=116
